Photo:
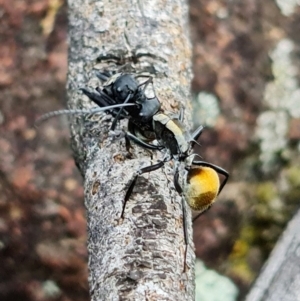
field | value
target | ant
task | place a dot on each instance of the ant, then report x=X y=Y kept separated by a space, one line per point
x=124 y=97
x=124 y=88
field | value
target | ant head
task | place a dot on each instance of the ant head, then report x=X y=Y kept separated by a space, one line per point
x=123 y=86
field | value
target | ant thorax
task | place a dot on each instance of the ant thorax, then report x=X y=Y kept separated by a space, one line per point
x=188 y=162
x=170 y=133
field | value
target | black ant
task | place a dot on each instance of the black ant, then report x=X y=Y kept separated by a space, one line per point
x=124 y=88
x=146 y=124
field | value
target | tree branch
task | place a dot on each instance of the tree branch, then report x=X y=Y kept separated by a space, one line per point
x=142 y=256
x=279 y=279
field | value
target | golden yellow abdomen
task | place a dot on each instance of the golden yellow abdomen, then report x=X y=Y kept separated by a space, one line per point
x=202 y=187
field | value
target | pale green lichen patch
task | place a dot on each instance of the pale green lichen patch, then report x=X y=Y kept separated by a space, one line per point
x=211 y=286
x=293 y=176
x=266 y=192
x=282 y=100
x=287 y=7
x=206 y=109
x=291 y=193
x=239 y=265
x=271 y=205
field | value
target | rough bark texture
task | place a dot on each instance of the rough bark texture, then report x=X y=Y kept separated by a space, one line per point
x=142 y=256
x=279 y=279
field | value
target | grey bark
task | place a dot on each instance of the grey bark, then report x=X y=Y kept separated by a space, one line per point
x=142 y=256
x=280 y=277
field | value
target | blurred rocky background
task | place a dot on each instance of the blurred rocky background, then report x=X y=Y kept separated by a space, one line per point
x=246 y=91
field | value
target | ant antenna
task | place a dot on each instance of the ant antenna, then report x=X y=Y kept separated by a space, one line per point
x=196 y=155
x=80 y=112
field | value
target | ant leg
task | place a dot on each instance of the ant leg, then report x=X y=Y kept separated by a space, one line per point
x=184 y=220
x=196 y=134
x=132 y=184
x=109 y=57
x=196 y=217
x=103 y=75
x=127 y=144
x=176 y=182
x=103 y=100
x=117 y=117
x=147 y=82
x=143 y=144
x=124 y=67
x=99 y=98
x=181 y=114
x=130 y=129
